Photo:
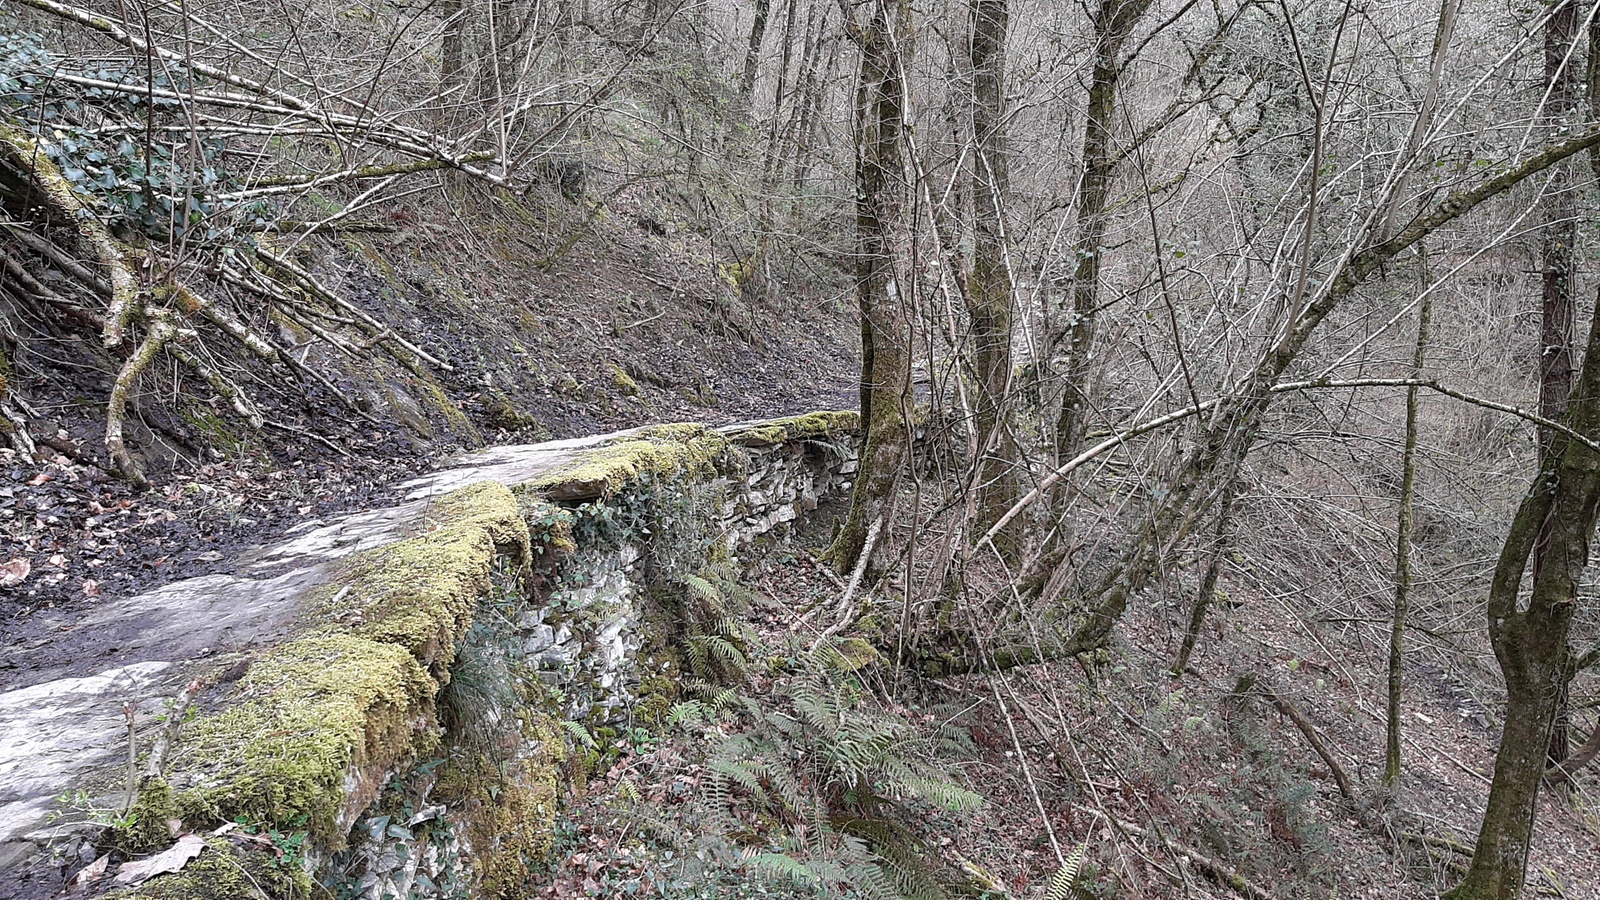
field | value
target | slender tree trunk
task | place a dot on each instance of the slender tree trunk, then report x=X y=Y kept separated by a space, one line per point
x=1402 y=552
x=1208 y=583
x=885 y=45
x=784 y=93
x=752 y=54
x=990 y=294
x=1585 y=754
x=453 y=60
x=1114 y=20
x=1558 y=257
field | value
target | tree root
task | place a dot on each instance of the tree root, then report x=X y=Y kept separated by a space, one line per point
x=220 y=383
x=160 y=332
x=303 y=280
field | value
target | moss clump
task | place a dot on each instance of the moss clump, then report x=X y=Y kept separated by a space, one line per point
x=420 y=593
x=146 y=829
x=502 y=412
x=681 y=451
x=811 y=426
x=509 y=807
x=217 y=431
x=225 y=872
x=853 y=654
x=656 y=694
x=324 y=718
x=431 y=393
x=321 y=720
x=677 y=431
x=488 y=505
x=624 y=382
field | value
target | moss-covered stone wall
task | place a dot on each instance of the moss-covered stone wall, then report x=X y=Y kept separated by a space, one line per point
x=415 y=712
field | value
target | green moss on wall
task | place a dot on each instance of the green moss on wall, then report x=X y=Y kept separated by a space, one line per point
x=811 y=426
x=311 y=733
x=509 y=806
x=677 y=451
x=321 y=719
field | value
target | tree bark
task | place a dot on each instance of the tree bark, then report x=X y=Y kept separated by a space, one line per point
x=1585 y=754
x=1208 y=583
x=1530 y=637
x=752 y=54
x=1558 y=235
x=885 y=44
x=1114 y=20
x=990 y=292
x=1402 y=552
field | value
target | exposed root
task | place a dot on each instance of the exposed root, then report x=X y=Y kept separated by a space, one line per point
x=160 y=332
x=303 y=280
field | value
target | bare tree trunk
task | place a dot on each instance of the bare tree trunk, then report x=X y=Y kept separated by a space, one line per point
x=1114 y=20
x=990 y=293
x=752 y=54
x=885 y=45
x=453 y=60
x=1585 y=754
x=1558 y=258
x=1402 y=553
x=1530 y=638
x=1208 y=583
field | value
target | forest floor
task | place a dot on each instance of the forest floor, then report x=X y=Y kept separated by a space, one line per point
x=1171 y=787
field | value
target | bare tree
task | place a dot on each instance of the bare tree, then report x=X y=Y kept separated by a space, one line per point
x=885 y=42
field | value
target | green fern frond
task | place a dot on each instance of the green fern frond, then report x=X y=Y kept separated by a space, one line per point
x=743 y=774
x=946 y=794
x=703 y=590
x=724 y=699
x=580 y=734
x=1066 y=877
x=782 y=865
x=686 y=713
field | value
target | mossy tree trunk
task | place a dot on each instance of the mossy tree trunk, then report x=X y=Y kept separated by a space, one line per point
x=1114 y=21
x=885 y=44
x=990 y=293
x=1558 y=257
x=1556 y=518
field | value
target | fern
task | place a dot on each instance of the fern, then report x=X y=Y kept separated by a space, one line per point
x=703 y=590
x=580 y=734
x=783 y=865
x=686 y=713
x=1066 y=877
x=809 y=783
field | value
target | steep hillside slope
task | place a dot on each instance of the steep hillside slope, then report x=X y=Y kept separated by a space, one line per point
x=546 y=318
